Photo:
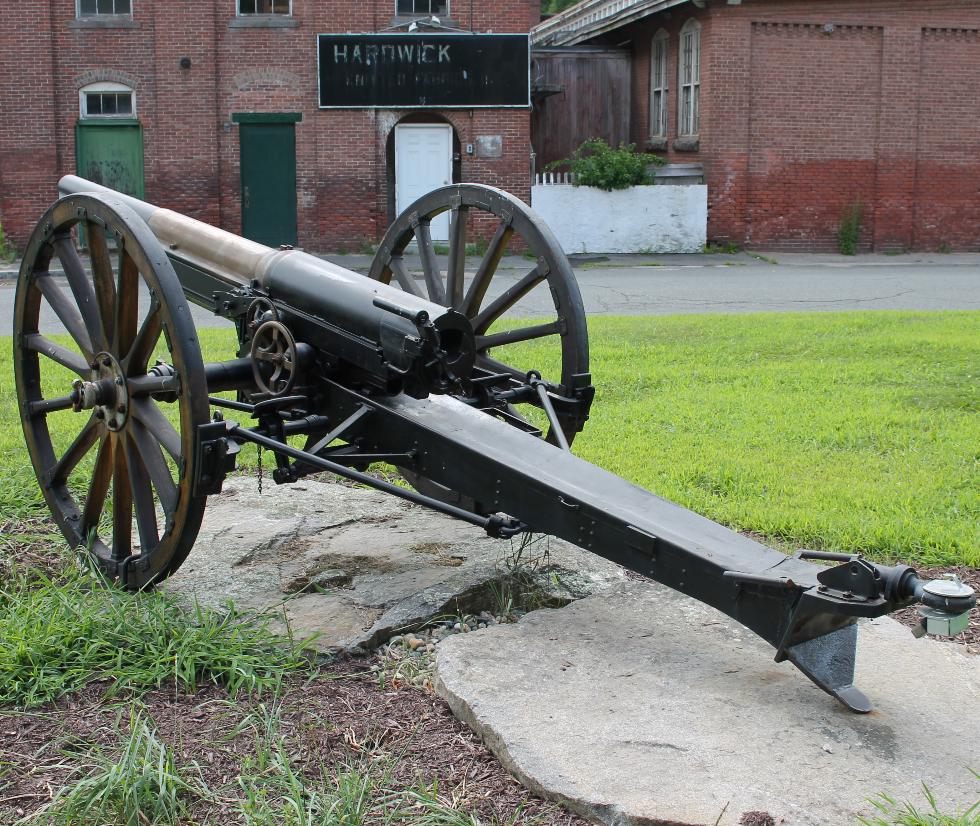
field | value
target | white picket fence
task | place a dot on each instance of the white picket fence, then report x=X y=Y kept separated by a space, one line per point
x=549 y=178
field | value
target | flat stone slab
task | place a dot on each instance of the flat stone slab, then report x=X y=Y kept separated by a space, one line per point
x=642 y=706
x=352 y=566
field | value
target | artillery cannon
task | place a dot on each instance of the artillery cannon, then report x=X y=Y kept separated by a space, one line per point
x=374 y=369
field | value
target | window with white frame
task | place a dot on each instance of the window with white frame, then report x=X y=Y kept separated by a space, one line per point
x=658 y=85
x=440 y=8
x=246 y=7
x=107 y=100
x=97 y=8
x=689 y=79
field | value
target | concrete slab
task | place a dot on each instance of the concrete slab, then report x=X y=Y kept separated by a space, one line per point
x=642 y=706
x=353 y=567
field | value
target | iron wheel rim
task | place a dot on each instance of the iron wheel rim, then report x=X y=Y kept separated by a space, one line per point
x=102 y=315
x=514 y=218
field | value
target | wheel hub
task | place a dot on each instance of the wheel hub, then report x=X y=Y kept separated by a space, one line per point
x=107 y=394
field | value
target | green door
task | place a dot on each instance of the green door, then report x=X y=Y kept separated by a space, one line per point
x=268 y=156
x=111 y=154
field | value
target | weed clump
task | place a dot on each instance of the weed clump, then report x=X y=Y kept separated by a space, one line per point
x=892 y=813
x=140 y=785
x=7 y=250
x=849 y=229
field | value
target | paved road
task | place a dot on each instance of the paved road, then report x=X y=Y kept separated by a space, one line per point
x=740 y=283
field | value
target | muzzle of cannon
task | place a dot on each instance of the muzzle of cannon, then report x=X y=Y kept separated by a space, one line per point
x=388 y=368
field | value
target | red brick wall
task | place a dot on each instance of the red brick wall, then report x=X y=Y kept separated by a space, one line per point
x=817 y=121
x=191 y=153
x=798 y=123
x=811 y=156
x=28 y=149
x=947 y=162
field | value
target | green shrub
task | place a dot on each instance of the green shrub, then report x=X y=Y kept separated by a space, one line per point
x=849 y=230
x=596 y=163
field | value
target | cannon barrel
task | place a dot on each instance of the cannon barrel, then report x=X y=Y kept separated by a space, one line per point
x=219 y=262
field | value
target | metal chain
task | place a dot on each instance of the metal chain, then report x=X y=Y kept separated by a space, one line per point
x=260 y=468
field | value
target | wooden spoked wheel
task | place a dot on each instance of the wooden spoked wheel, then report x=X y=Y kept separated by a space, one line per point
x=490 y=297
x=111 y=437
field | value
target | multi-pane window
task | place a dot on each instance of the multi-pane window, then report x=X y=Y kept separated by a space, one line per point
x=689 y=76
x=263 y=7
x=658 y=85
x=107 y=100
x=440 y=8
x=90 y=8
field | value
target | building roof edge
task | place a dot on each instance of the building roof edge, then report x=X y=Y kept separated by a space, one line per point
x=589 y=18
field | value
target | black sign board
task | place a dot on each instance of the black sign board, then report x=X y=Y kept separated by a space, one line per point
x=431 y=70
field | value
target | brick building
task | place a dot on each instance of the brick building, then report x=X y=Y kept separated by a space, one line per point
x=214 y=109
x=802 y=111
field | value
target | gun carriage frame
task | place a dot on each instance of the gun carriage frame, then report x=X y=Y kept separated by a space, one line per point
x=378 y=369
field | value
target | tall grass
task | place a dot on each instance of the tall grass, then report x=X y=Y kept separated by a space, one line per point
x=59 y=634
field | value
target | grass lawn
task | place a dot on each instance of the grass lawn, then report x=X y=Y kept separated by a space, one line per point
x=849 y=431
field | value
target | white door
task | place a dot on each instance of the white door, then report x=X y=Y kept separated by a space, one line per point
x=423 y=162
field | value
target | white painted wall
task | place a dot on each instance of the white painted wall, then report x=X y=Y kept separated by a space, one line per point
x=638 y=219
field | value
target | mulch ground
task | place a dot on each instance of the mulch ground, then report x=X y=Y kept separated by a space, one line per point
x=340 y=718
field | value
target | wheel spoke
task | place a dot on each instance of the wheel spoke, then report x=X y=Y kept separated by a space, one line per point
x=66 y=312
x=485 y=272
x=142 y=493
x=98 y=488
x=103 y=276
x=75 y=453
x=57 y=353
x=127 y=306
x=514 y=336
x=146 y=411
x=156 y=465
x=404 y=277
x=43 y=406
x=457 y=257
x=427 y=252
x=80 y=288
x=503 y=302
x=122 y=502
x=135 y=363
